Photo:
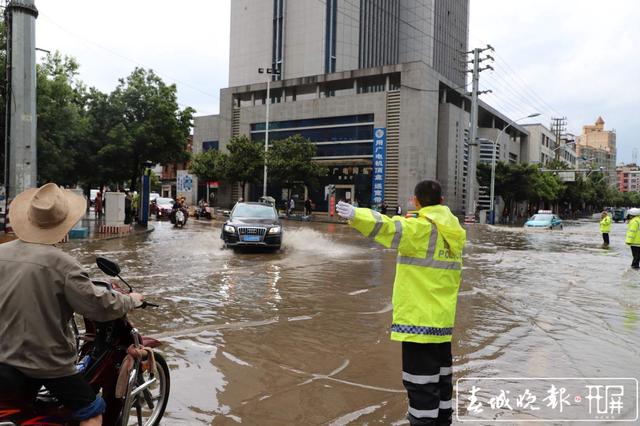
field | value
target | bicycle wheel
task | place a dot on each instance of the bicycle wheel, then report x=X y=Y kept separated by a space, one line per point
x=147 y=395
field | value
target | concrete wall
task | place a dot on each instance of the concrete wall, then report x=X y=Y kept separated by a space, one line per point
x=205 y=128
x=418 y=129
x=416 y=33
x=251 y=37
x=347 y=35
x=452 y=121
x=537 y=145
x=304 y=29
x=451 y=29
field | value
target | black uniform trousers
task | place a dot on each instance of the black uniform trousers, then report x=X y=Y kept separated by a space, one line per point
x=635 y=251
x=427 y=376
x=605 y=237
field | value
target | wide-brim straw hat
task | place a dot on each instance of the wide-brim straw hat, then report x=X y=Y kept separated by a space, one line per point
x=45 y=215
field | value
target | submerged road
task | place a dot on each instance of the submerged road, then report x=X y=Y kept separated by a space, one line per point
x=301 y=336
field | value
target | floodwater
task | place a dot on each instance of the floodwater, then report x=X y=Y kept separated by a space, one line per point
x=301 y=336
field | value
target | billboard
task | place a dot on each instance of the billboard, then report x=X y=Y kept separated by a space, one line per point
x=379 y=160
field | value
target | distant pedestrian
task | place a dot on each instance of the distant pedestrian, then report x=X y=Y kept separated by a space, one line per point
x=292 y=205
x=98 y=205
x=605 y=228
x=398 y=210
x=307 y=207
x=384 y=208
x=425 y=294
x=128 y=207
x=633 y=236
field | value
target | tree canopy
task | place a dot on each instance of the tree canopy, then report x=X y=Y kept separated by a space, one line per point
x=291 y=161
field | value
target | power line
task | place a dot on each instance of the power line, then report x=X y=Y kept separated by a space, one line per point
x=511 y=74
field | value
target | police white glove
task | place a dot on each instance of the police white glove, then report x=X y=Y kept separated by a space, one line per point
x=346 y=210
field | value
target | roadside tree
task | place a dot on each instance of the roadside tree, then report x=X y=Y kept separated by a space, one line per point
x=243 y=163
x=291 y=162
x=62 y=126
x=153 y=127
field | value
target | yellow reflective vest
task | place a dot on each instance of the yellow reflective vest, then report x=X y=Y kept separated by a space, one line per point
x=633 y=235
x=428 y=269
x=605 y=224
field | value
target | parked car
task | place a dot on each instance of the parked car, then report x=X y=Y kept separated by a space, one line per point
x=164 y=207
x=619 y=215
x=252 y=224
x=544 y=219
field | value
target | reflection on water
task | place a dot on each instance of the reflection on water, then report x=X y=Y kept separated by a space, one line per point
x=301 y=336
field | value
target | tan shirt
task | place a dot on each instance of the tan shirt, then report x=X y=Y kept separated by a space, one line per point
x=40 y=289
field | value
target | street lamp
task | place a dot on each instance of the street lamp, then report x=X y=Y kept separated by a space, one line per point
x=493 y=163
x=269 y=72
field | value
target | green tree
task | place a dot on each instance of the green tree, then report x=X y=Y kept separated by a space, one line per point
x=291 y=161
x=207 y=165
x=62 y=126
x=547 y=187
x=244 y=162
x=153 y=127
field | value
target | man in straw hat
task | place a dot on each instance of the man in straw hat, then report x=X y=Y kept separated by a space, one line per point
x=40 y=289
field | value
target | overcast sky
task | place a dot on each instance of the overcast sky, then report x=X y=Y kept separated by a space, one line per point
x=573 y=58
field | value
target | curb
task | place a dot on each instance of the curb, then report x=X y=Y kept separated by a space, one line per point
x=135 y=233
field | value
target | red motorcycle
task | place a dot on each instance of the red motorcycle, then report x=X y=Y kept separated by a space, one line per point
x=107 y=350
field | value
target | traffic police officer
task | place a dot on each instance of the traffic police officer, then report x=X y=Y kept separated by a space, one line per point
x=605 y=227
x=425 y=293
x=633 y=236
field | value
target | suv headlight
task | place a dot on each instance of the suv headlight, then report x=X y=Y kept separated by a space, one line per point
x=275 y=230
x=230 y=229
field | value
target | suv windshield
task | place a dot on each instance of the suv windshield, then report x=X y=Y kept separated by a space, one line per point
x=253 y=211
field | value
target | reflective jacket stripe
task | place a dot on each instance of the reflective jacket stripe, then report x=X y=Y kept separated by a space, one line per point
x=378 y=225
x=444 y=405
x=422 y=414
x=420 y=379
x=397 y=236
x=433 y=241
x=419 y=329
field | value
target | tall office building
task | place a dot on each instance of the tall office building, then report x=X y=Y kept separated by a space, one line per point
x=311 y=37
x=597 y=146
x=376 y=85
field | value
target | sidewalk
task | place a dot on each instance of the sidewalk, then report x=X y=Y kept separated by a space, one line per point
x=93 y=225
x=315 y=217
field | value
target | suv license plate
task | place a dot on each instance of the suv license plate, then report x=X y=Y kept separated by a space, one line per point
x=252 y=238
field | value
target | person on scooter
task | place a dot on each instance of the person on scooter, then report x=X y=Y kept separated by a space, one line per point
x=40 y=289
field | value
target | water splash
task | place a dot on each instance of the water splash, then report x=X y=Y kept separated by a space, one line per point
x=305 y=240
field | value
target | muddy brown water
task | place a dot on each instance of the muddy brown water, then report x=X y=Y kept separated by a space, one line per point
x=301 y=336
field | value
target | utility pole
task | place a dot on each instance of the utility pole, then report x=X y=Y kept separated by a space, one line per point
x=20 y=167
x=269 y=72
x=470 y=209
x=558 y=127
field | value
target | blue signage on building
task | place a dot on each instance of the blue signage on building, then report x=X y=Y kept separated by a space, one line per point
x=379 y=159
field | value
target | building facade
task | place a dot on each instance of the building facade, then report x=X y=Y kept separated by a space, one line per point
x=356 y=76
x=628 y=178
x=310 y=37
x=597 y=148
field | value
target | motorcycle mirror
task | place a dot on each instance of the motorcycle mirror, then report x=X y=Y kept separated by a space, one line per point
x=108 y=267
